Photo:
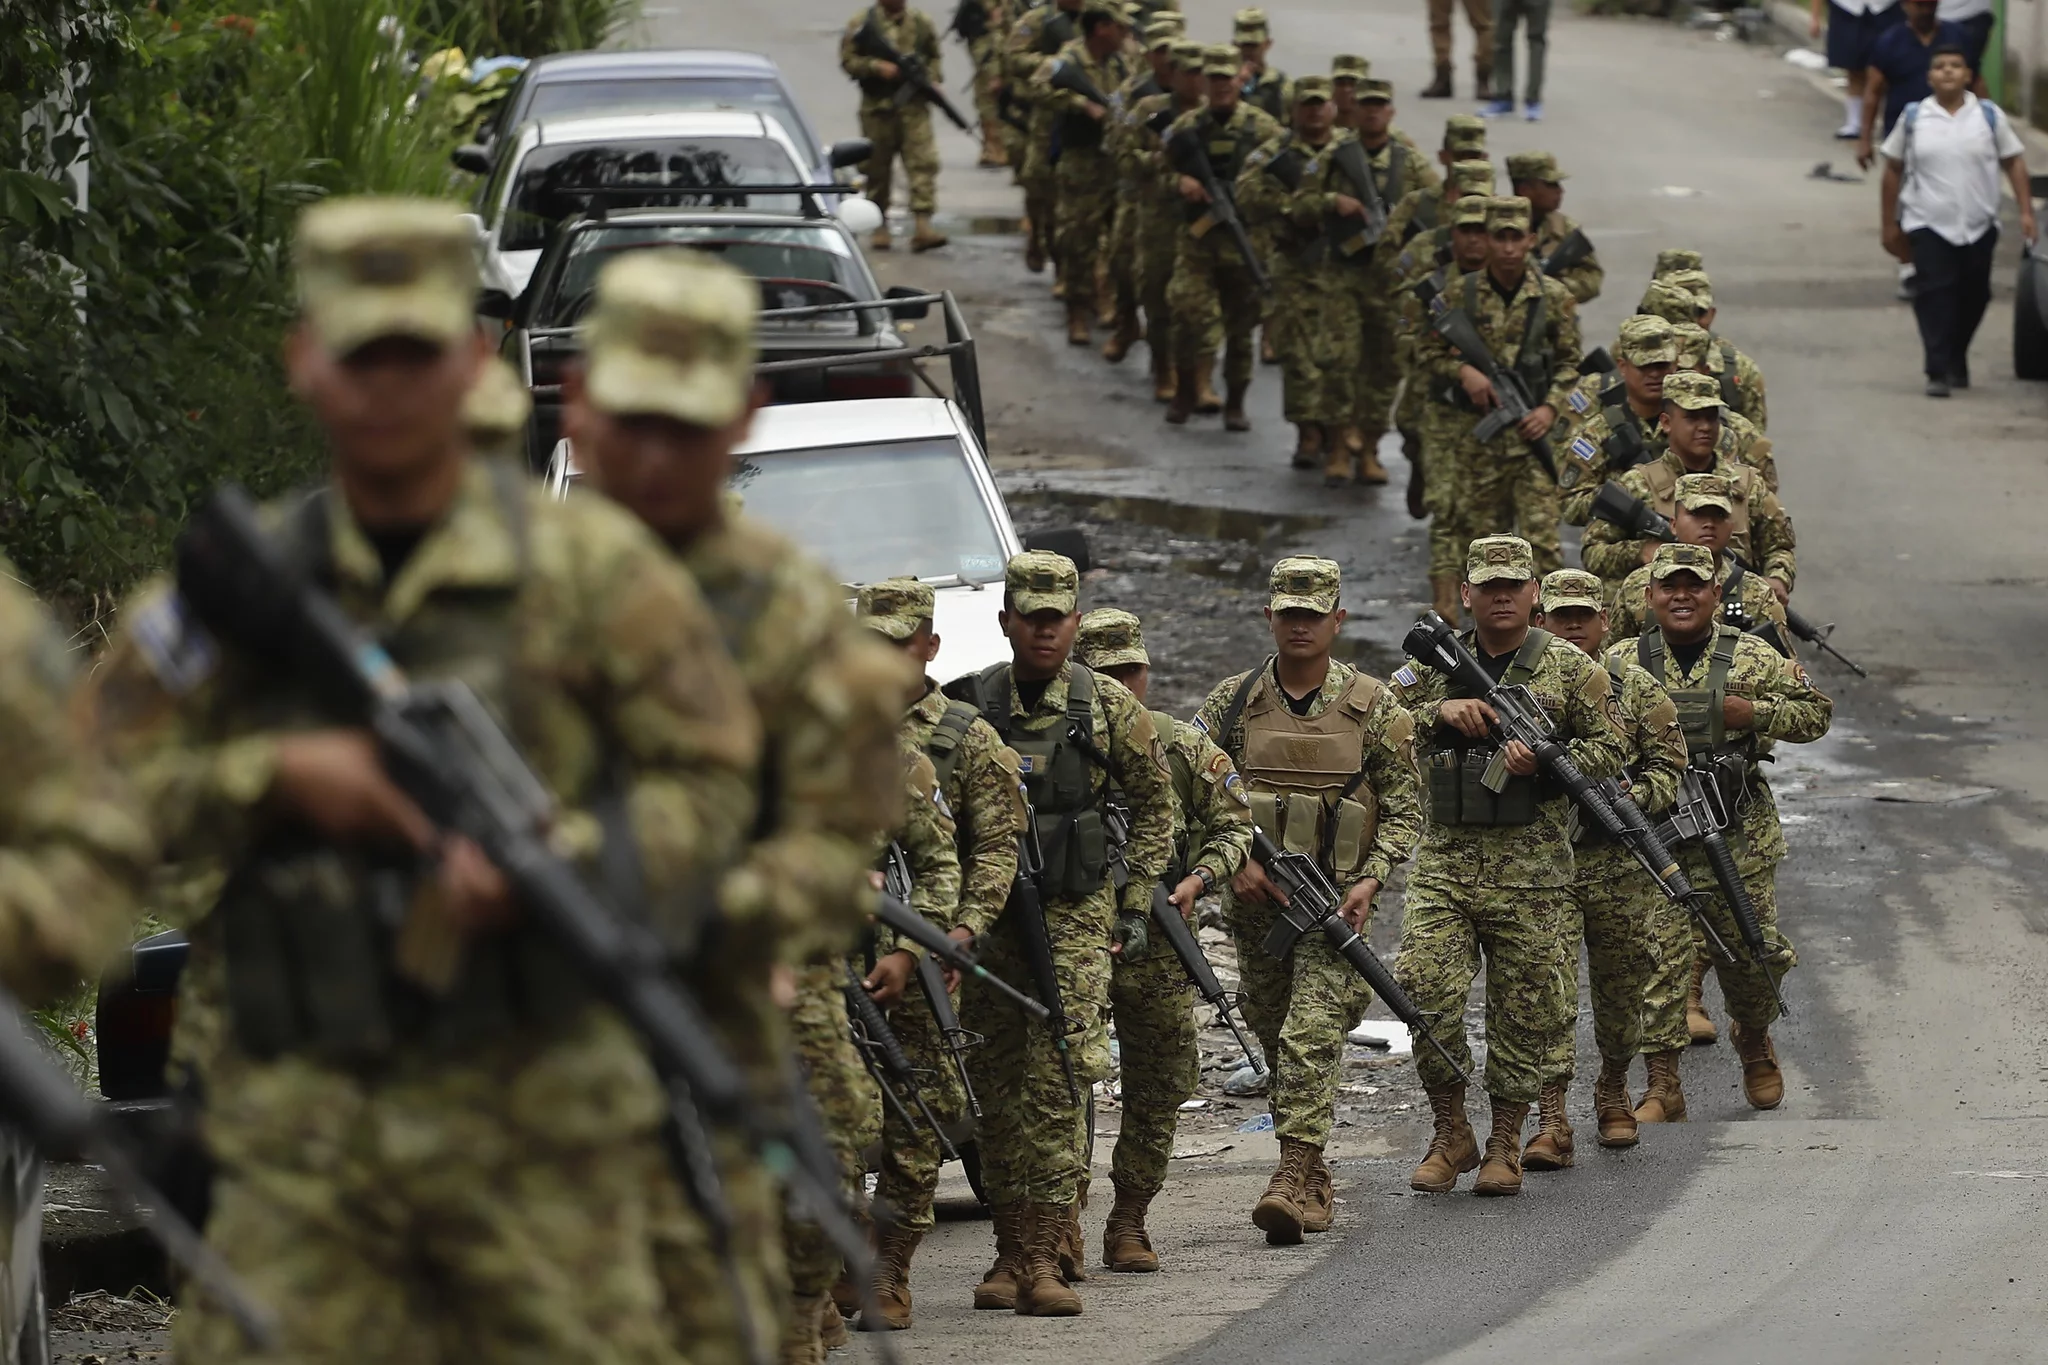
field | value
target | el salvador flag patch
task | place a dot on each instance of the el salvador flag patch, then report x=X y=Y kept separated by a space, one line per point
x=1579 y=401
x=1584 y=449
x=1405 y=675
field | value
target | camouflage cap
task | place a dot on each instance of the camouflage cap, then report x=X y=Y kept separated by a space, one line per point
x=1469 y=211
x=1507 y=213
x=1693 y=343
x=1696 y=560
x=371 y=267
x=1691 y=390
x=1039 y=580
x=671 y=333
x=497 y=404
x=1163 y=34
x=1495 y=557
x=1695 y=491
x=1472 y=177
x=1308 y=88
x=1534 y=166
x=1249 y=25
x=1465 y=132
x=1221 y=59
x=895 y=606
x=1349 y=66
x=1646 y=339
x=1695 y=283
x=1107 y=9
x=1305 y=583
x=1669 y=302
x=1675 y=258
x=1189 y=55
x=1564 y=588
x=1110 y=638
x=1376 y=90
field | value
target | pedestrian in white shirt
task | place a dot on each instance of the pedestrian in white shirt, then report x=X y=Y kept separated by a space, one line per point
x=1942 y=161
x=1852 y=26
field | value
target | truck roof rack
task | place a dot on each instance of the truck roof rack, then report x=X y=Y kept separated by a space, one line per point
x=812 y=194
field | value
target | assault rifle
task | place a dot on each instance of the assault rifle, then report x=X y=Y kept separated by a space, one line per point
x=1572 y=252
x=897 y=882
x=970 y=20
x=897 y=915
x=1597 y=361
x=1069 y=76
x=1512 y=401
x=886 y=1060
x=64 y=1125
x=1185 y=152
x=1026 y=913
x=1628 y=513
x=869 y=42
x=1699 y=815
x=1351 y=161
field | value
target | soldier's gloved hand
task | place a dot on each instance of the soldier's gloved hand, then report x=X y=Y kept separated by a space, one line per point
x=1129 y=938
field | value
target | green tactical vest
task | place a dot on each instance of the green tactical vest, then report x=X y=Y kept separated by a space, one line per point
x=1533 y=358
x=1456 y=765
x=1056 y=765
x=1699 y=708
x=308 y=930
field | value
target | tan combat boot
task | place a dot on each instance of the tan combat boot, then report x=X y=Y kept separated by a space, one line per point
x=1125 y=336
x=1126 y=1246
x=1443 y=596
x=1336 y=458
x=1440 y=88
x=1181 y=406
x=1551 y=1148
x=926 y=237
x=1080 y=330
x=1234 y=418
x=1318 y=1195
x=801 y=1344
x=1698 y=1023
x=1453 y=1149
x=891 y=1310
x=1278 y=1212
x=1308 y=445
x=1763 y=1085
x=1074 y=1246
x=1042 y=1292
x=1501 y=1172
x=881 y=241
x=1206 y=401
x=1664 y=1101
x=1610 y=1105
x=998 y=1288
x=832 y=1326
x=993 y=153
x=1370 y=470
x=1165 y=382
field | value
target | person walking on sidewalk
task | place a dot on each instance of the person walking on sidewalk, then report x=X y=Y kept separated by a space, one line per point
x=1942 y=161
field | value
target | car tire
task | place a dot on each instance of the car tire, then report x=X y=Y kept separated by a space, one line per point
x=2030 y=320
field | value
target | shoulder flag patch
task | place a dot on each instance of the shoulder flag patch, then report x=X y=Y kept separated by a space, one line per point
x=1584 y=448
x=1578 y=400
x=1406 y=676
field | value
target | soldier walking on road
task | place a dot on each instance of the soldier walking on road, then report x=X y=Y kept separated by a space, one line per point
x=898 y=128
x=1156 y=198
x=1704 y=514
x=1497 y=90
x=1149 y=81
x=1076 y=733
x=1148 y=995
x=1494 y=874
x=1614 y=904
x=981 y=25
x=1421 y=208
x=1686 y=296
x=1431 y=446
x=1329 y=767
x=1536 y=177
x=1735 y=696
x=1479 y=13
x=1086 y=176
x=1036 y=35
x=1620 y=424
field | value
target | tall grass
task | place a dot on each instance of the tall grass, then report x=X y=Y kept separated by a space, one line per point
x=527 y=28
x=368 y=126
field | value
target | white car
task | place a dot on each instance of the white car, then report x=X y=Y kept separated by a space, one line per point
x=543 y=172
x=879 y=488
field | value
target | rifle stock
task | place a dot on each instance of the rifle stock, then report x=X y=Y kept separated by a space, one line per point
x=932 y=981
x=1571 y=253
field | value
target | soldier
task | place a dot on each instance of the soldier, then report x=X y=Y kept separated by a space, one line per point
x=1148 y=996
x=1614 y=905
x=1429 y=447
x=495 y=411
x=1158 y=204
x=1350 y=74
x=1620 y=427
x=1329 y=763
x=1674 y=258
x=1086 y=177
x=1480 y=15
x=1703 y=513
x=897 y=129
x=1494 y=874
x=1685 y=296
x=1530 y=324
x=1740 y=437
x=1264 y=87
x=1762 y=531
x=1037 y=34
x=1214 y=301
x=1076 y=733
x=529 y=1218
x=1536 y=177
x=1421 y=208
x=978 y=781
x=1735 y=695
x=980 y=24
x=1155 y=77
x=826 y=693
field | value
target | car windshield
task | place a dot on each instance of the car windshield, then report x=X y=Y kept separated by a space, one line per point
x=877 y=511
x=669 y=94
x=553 y=182
x=797 y=265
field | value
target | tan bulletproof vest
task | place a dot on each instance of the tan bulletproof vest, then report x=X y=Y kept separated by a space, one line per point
x=1305 y=775
x=1742 y=486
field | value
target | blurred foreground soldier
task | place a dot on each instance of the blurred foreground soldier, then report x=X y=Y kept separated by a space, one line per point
x=1614 y=903
x=1329 y=767
x=1494 y=874
x=1536 y=177
x=1704 y=514
x=665 y=396
x=495 y=411
x=1480 y=15
x=978 y=782
x=1735 y=695
x=1036 y=35
x=898 y=130
x=1148 y=996
x=1158 y=205
x=1086 y=176
x=1076 y=733
x=452 y=1103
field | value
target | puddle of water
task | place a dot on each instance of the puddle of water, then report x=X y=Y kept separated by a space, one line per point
x=990 y=227
x=1208 y=523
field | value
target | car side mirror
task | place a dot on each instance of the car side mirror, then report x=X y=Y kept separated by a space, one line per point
x=471 y=157
x=906 y=310
x=1070 y=541
x=859 y=215
x=849 y=152
x=494 y=303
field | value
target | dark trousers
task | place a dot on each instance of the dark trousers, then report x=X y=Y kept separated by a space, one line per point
x=1951 y=286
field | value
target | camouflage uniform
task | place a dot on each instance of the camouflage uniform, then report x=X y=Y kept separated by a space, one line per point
x=897 y=130
x=356 y=1153
x=850 y=1110
x=1628 y=615
x=1685 y=296
x=1550 y=230
x=1122 y=268
x=1421 y=209
x=1498 y=485
x=1314 y=320
x=985 y=50
x=1086 y=177
x=1156 y=219
x=1035 y=36
x=495 y=413
x=1396 y=167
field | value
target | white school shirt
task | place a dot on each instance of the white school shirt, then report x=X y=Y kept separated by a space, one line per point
x=1952 y=172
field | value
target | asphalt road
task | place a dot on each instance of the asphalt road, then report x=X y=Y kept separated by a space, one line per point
x=1888 y=1211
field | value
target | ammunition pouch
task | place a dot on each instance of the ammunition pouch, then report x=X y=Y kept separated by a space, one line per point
x=1458 y=796
x=1079 y=133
